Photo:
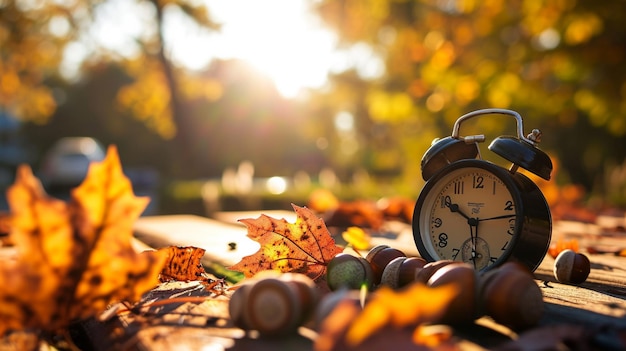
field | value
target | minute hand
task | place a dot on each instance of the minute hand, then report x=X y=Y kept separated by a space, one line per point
x=496 y=217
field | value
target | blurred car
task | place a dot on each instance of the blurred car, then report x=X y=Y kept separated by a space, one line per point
x=65 y=164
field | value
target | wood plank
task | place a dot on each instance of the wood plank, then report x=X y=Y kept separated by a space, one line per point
x=225 y=243
x=600 y=301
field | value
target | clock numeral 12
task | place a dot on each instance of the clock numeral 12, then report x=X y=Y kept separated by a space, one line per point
x=478 y=182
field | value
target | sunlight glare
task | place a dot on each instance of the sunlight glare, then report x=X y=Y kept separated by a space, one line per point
x=280 y=38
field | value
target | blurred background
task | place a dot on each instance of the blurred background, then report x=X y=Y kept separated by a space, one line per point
x=234 y=104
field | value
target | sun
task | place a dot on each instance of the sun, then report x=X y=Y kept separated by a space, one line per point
x=282 y=39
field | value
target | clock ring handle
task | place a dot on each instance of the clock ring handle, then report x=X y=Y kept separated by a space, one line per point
x=532 y=138
x=521 y=151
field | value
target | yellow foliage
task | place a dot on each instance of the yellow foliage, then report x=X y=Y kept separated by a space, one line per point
x=444 y=56
x=389 y=107
x=582 y=28
x=194 y=87
x=467 y=89
x=148 y=99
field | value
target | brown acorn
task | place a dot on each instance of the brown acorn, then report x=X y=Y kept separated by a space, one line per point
x=429 y=269
x=401 y=271
x=379 y=257
x=332 y=299
x=463 y=308
x=512 y=297
x=571 y=267
x=273 y=306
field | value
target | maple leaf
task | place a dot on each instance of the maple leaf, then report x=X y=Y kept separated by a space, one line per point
x=305 y=246
x=73 y=259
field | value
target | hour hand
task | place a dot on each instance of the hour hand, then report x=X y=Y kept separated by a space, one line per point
x=454 y=207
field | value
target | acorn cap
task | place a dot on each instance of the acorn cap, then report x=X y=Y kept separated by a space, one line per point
x=391 y=273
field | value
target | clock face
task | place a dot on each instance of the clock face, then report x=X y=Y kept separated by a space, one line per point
x=467 y=214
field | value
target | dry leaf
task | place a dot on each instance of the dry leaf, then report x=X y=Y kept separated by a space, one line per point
x=432 y=335
x=357 y=237
x=184 y=264
x=73 y=259
x=303 y=247
x=359 y=213
x=387 y=319
x=397 y=208
x=558 y=246
x=413 y=305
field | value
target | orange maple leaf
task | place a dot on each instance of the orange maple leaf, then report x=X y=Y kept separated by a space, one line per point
x=305 y=246
x=73 y=259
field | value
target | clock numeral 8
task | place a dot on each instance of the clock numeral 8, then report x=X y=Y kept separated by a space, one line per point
x=443 y=240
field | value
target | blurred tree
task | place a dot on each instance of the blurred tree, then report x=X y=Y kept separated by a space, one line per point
x=557 y=62
x=252 y=122
x=35 y=37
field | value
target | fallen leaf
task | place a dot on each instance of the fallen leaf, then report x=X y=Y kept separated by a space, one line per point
x=305 y=246
x=359 y=213
x=387 y=319
x=184 y=264
x=357 y=237
x=560 y=245
x=414 y=305
x=432 y=335
x=397 y=208
x=73 y=259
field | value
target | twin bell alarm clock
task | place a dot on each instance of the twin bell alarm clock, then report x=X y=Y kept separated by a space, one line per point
x=472 y=210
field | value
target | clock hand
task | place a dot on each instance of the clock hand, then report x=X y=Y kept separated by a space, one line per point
x=497 y=217
x=473 y=223
x=474 y=235
x=455 y=208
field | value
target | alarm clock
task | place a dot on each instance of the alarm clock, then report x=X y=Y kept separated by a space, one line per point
x=472 y=210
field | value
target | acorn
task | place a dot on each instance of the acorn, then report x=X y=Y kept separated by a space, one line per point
x=511 y=297
x=379 y=257
x=237 y=305
x=463 y=308
x=349 y=271
x=273 y=306
x=571 y=267
x=308 y=293
x=424 y=274
x=332 y=299
x=401 y=271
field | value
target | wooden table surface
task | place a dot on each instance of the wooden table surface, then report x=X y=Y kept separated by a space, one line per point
x=597 y=303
